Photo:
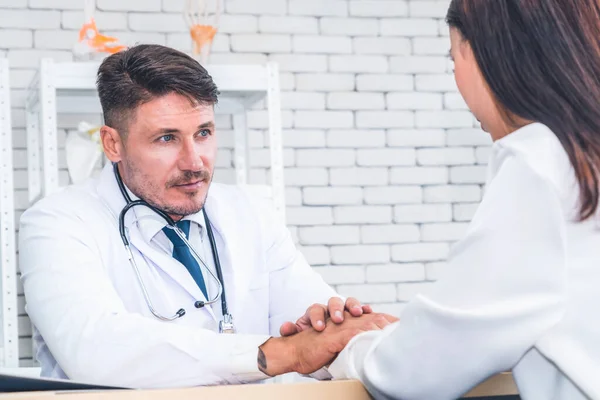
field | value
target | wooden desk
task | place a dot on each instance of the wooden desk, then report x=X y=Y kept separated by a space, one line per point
x=348 y=390
x=499 y=385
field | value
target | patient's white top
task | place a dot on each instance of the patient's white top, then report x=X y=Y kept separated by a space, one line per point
x=521 y=291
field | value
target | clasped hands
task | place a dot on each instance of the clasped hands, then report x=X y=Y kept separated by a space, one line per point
x=317 y=337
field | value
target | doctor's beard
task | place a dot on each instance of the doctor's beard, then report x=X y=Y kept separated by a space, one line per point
x=144 y=187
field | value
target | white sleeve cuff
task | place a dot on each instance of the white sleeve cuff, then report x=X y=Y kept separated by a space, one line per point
x=244 y=358
x=344 y=366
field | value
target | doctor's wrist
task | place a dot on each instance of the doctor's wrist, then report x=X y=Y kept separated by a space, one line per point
x=277 y=356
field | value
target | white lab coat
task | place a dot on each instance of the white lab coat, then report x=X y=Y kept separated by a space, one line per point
x=521 y=292
x=91 y=321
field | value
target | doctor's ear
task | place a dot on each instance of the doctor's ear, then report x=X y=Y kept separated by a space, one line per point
x=112 y=142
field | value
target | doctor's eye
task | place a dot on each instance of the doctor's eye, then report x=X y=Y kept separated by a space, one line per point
x=205 y=132
x=166 y=138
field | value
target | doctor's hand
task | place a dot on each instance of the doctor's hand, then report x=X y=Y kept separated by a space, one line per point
x=317 y=314
x=310 y=350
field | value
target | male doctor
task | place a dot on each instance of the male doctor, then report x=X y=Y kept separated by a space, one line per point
x=148 y=321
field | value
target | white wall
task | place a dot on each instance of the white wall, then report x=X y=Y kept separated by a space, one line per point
x=384 y=163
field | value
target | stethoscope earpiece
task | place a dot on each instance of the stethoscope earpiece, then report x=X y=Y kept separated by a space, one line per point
x=199 y=304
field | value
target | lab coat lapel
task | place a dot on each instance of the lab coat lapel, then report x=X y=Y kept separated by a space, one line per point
x=235 y=255
x=146 y=253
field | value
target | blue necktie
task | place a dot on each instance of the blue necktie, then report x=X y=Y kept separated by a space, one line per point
x=182 y=253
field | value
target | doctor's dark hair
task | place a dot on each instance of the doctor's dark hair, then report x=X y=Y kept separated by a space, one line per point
x=541 y=61
x=137 y=75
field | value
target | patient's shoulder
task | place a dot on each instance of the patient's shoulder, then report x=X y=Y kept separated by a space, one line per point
x=538 y=150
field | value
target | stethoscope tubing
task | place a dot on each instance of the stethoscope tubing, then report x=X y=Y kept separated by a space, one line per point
x=170 y=224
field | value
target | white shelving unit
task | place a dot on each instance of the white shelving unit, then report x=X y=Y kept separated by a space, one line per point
x=70 y=88
x=9 y=352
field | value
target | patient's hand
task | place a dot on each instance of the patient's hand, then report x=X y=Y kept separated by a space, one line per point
x=310 y=350
x=317 y=314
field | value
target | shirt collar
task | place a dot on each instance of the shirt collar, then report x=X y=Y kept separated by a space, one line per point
x=150 y=223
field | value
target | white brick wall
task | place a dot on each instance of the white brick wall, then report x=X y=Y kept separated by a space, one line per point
x=349 y=26
x=378 y=8
x=329 y=235
x=129 y=5
x=384 y=119
x=362 y=214
x=384 y=163
x=257 y=7
x=285 y=24
x=360 y=254
x=384 y=83
x=413 y=27
x=418 y=64
x=324 y=45
x=378 y=45
x=325 y=82
x=385 y=157
x=355 y=101
x=332 y=195
x=395 y=273
x=436 y=9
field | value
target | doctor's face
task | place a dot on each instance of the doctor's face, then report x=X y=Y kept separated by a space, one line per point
x=169 y=152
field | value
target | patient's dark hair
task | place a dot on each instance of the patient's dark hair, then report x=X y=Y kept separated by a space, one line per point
x=541 y=60
x=142 y=73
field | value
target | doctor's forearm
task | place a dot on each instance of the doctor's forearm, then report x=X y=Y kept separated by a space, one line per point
x=164 y=355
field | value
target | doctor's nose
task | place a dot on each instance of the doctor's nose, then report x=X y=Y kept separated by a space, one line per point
x=190 y=157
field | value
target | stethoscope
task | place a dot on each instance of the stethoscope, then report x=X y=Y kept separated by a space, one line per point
x=226 y=325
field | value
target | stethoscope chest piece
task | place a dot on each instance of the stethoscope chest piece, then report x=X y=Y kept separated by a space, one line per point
x=226 y=325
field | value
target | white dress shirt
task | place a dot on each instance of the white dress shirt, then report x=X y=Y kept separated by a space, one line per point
x=520 y=292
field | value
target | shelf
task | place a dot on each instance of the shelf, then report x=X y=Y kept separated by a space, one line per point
x=75 y=84
x=9 y=352
x=85 y=101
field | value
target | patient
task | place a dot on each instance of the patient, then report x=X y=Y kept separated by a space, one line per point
x=521 y=288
